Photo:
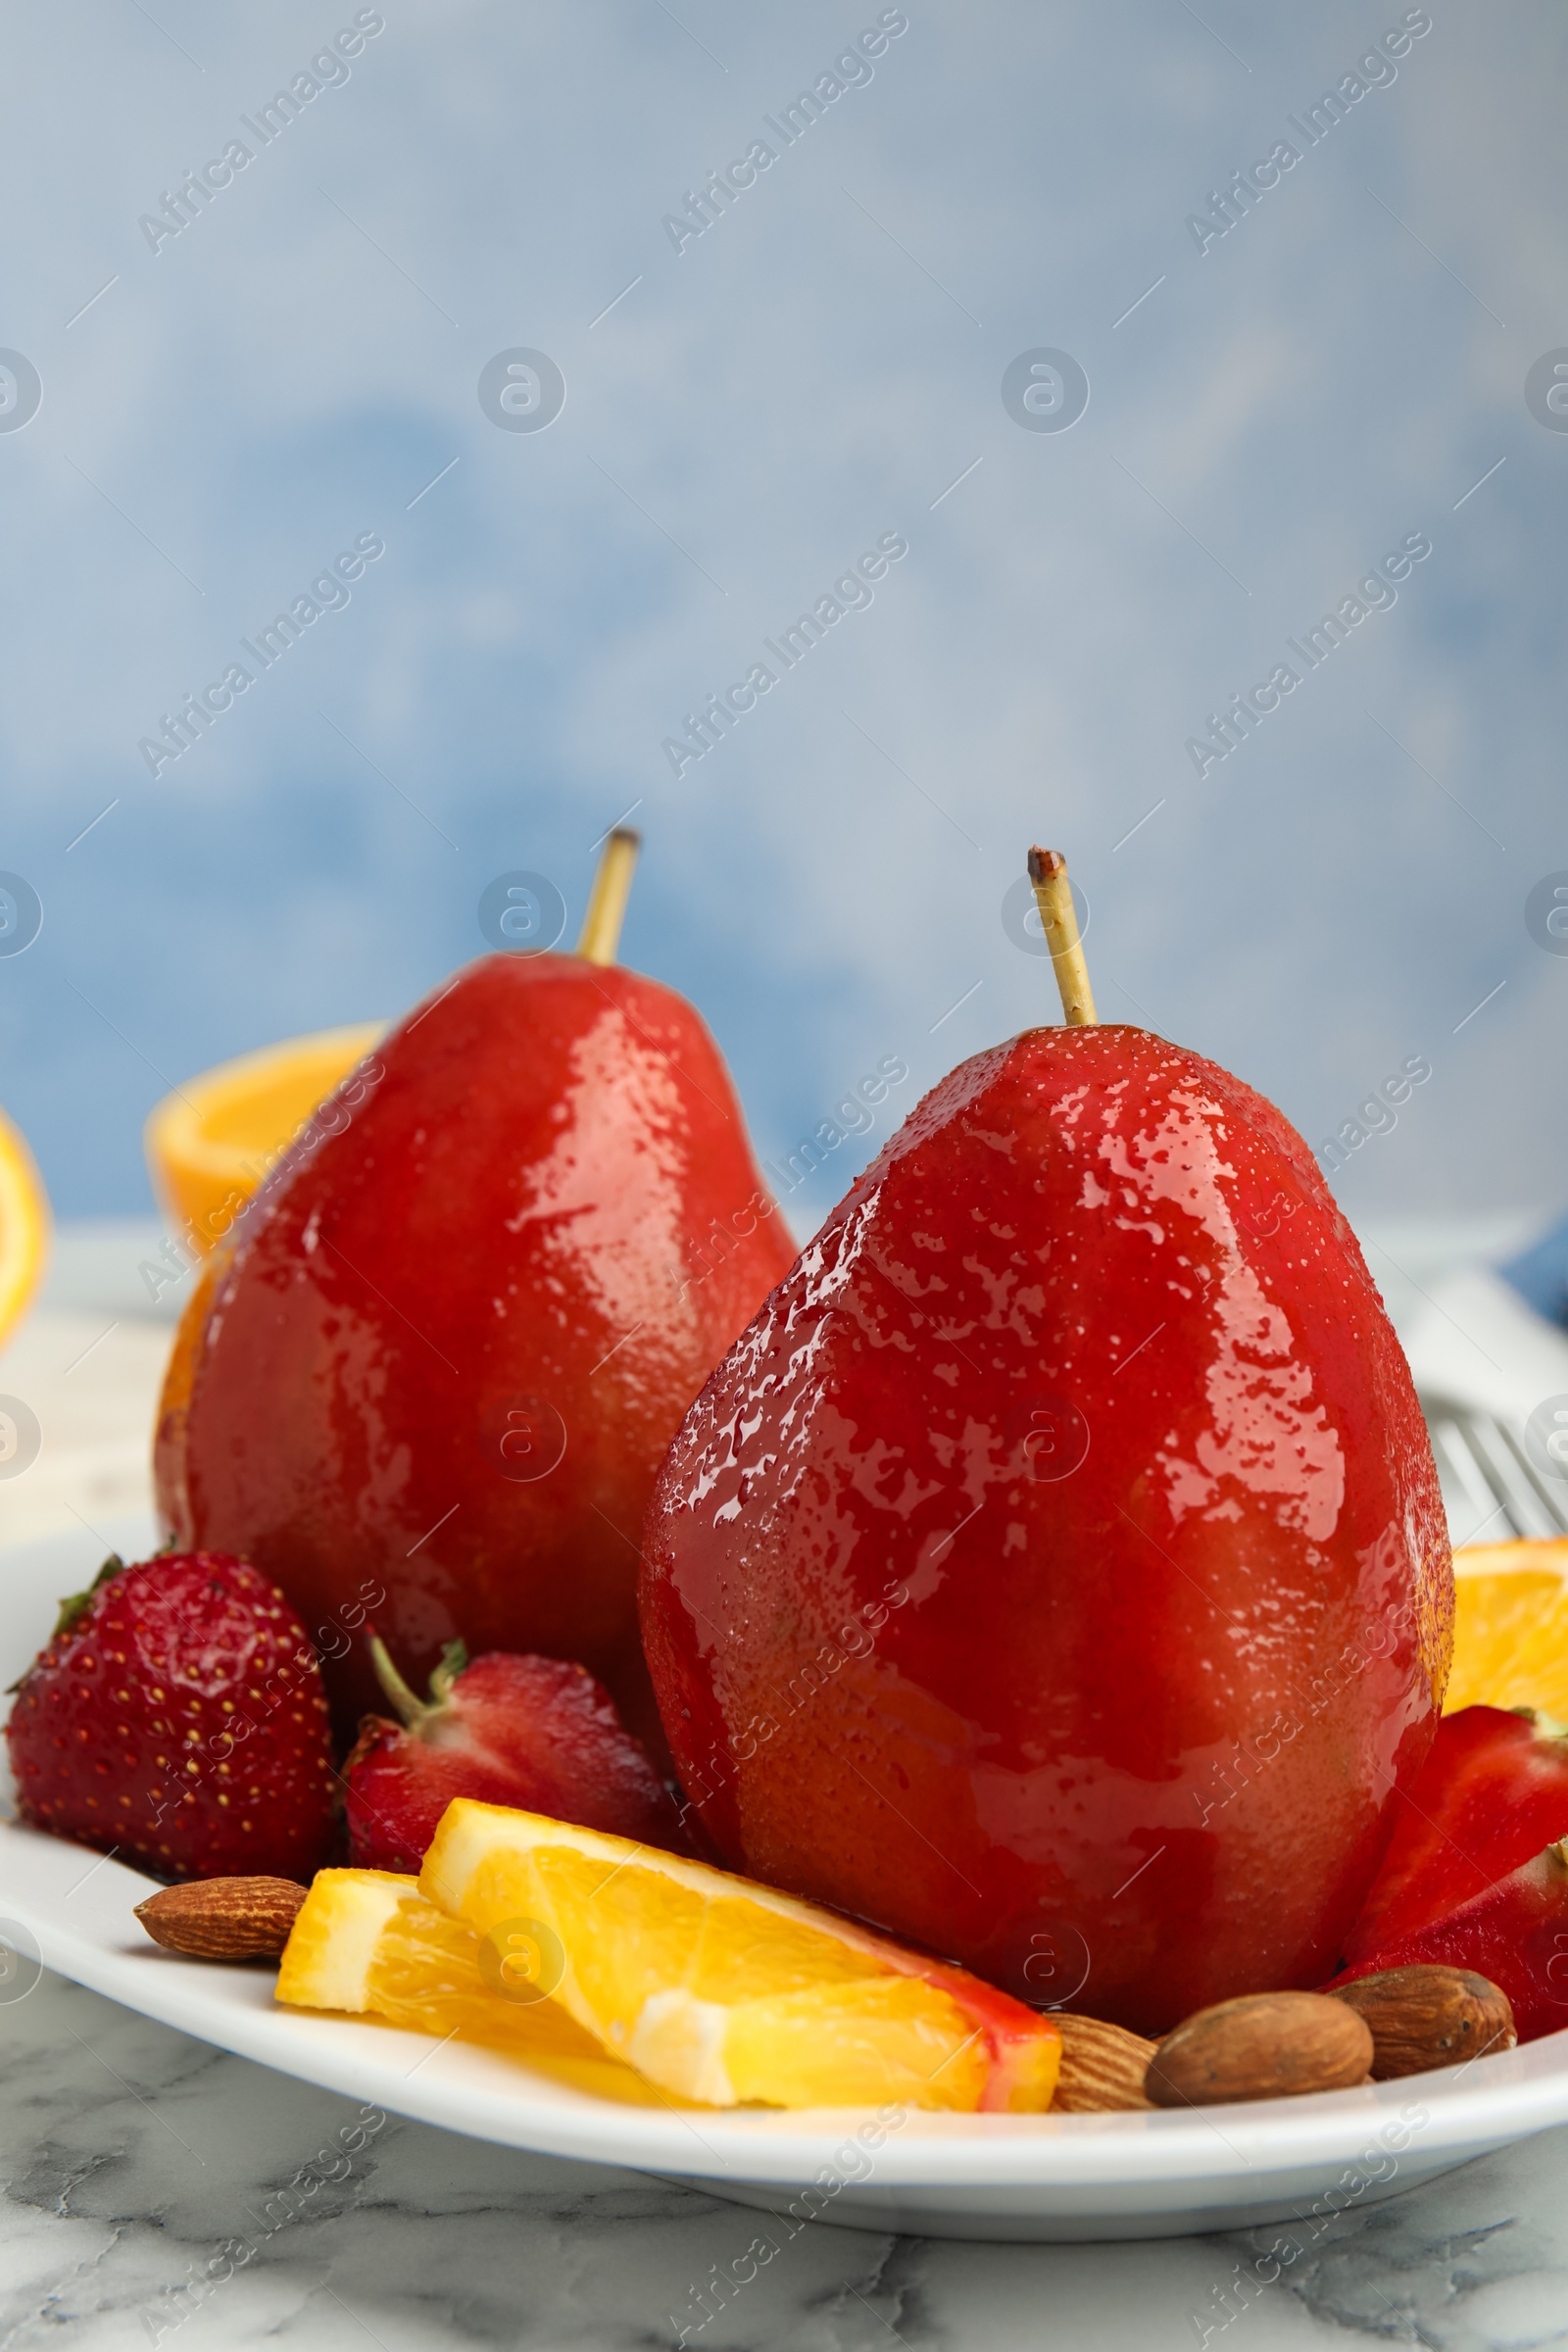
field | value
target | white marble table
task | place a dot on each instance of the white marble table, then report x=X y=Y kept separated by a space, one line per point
x=135 y=2162
x=156 y=2190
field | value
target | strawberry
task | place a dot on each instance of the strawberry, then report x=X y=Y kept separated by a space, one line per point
x=1491 y=1793
x=537 y=1733
x=1516 y=1934
x=177 y=1718
x=1476 y=1875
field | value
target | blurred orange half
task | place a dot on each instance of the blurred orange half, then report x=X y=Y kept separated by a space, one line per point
x=1510 y=1628
x=24 y=1226
x=212 y=1142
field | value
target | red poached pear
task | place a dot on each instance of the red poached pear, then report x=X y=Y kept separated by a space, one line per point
x=461 y=1323
x=1054 y=1572
x=538 y=1734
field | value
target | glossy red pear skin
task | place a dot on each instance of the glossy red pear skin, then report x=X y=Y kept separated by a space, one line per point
x=1491 y=1795
x=1124 y=1736
x=1516 y=1934
x=508 y=1213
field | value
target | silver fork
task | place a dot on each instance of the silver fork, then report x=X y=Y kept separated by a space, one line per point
x=1491 y=1488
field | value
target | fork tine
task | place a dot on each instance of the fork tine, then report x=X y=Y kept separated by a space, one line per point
x=1469 y=1483
x=1510 y=1476
x=1553 y=1494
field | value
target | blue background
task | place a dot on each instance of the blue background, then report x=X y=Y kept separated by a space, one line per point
x=815 y=370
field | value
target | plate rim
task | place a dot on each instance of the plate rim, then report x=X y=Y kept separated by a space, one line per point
x=1484 y=2103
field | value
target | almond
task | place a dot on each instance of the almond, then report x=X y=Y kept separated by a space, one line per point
x=1426 y=2017
x=224 y=1919
x=1266 y=2045
x=1103 y=2067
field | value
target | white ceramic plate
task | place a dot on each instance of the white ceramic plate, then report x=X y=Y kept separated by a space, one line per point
x=1292 y=2161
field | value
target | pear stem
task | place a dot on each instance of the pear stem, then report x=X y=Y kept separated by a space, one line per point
x=1047 y=871
x=606 y=900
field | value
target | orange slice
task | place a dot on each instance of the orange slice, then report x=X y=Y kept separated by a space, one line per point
x=366 y=1941
x=210 y=1144
x=1510 y=1628
x=727 y=1992
x=24 y=1226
